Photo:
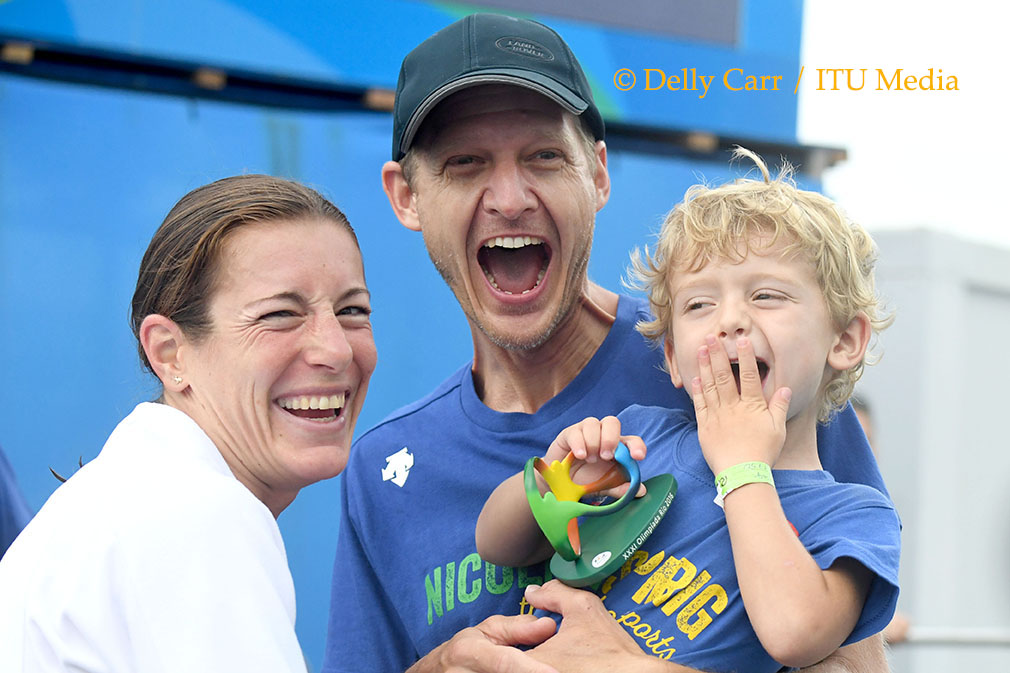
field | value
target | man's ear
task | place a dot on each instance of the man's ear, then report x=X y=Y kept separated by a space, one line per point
x=671 y=363
x=601 y=179
x=162 y=340
x=851 y=344
x=400 y=196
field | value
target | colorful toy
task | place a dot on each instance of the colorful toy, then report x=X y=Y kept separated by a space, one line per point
x=608 y=534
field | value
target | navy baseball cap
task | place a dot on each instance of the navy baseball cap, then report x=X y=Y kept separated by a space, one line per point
x=488 y=49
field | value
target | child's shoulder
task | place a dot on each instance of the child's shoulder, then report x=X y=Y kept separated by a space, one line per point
x=641 y=420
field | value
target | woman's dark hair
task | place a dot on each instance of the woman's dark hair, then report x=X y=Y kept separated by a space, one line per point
x=178 y=272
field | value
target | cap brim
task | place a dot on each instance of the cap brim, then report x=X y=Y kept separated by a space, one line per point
x=512 y=76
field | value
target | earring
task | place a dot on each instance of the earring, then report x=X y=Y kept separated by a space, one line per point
x=177 y=380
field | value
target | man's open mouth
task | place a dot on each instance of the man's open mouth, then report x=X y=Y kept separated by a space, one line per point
x=762 y=372
x=514 y=264
x=322 y=408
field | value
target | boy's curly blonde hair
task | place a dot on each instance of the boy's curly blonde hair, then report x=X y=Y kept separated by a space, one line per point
x=713 y=222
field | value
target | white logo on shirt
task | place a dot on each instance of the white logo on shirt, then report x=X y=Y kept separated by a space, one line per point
x=398 y=467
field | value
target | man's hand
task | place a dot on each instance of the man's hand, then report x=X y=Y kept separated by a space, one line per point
x=489 y=647
x=589 y=639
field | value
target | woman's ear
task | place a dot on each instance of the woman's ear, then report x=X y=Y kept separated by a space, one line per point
x=400 y=196
x=671 y=363
x=162 y=341
x=851 y=344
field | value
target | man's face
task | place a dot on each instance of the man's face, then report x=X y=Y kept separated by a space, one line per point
x=506 y=194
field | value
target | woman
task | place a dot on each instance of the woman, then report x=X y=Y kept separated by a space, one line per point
x=163 y=553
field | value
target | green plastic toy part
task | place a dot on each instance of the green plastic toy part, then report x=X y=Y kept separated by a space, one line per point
x=609 y=534
x=557 y=511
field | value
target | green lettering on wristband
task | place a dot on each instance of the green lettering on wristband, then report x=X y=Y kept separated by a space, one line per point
x=734 y=477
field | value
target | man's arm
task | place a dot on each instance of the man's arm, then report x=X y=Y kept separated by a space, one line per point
x=590 y=639
x=866 y=656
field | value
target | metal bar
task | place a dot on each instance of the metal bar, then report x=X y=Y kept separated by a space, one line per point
x=118 y=70
x=29 y=57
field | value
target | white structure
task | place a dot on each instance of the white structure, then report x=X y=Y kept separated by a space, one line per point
x=940 y=399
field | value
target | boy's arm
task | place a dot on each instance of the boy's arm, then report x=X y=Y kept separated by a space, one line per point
x=507 y=534
x=800 y=613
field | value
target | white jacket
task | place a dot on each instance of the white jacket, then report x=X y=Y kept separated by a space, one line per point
x=151 y=558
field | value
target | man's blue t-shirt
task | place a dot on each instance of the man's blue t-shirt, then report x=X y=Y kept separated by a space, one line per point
x=407 y=576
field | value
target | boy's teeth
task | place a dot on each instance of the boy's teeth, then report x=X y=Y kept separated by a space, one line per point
x=306 y=402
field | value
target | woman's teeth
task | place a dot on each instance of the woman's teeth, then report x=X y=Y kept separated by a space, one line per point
x=306 y=402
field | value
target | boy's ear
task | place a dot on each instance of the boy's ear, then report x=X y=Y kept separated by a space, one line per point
x=851 y=344
x=400 y=196
x=671 y=363
x=162 y=340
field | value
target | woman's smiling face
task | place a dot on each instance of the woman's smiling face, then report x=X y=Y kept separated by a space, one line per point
x=280 y=379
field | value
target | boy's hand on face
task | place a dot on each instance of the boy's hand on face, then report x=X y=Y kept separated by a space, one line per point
x=736 y=426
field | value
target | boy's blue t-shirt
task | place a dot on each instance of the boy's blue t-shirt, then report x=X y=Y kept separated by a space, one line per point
x=678 y=594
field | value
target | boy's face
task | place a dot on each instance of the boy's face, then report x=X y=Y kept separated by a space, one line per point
x=775 y=301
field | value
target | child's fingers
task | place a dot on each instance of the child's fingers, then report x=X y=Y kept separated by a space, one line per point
x=722 y=372
x=618 y=491
x=572 y=440
x=779 y=406
x=610 y=436
x=698 y=397
x=707 y=376
x=635 y=444
x=591 y=433
x=750 y=378
x=615 y=492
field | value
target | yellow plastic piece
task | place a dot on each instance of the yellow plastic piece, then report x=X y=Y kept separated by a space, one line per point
x=559 y=478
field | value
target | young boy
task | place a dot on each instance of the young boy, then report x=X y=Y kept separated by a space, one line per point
x=765 y=305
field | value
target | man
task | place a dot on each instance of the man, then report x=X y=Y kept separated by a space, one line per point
x=499 y=161
x=14 y=512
